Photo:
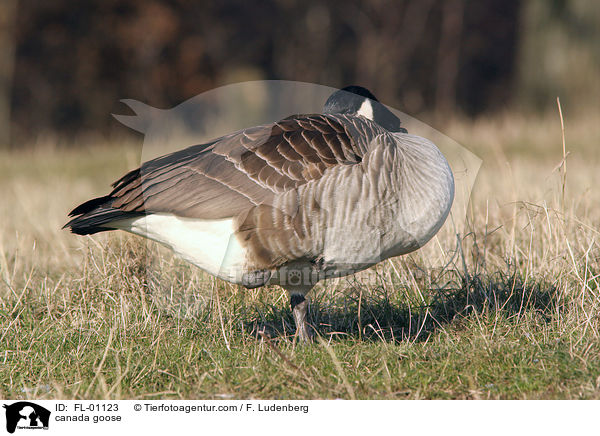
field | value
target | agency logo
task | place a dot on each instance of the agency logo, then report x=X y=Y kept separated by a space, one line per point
x=26 y=415
x=235 y=107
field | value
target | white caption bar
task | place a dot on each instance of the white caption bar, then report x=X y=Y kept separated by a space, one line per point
x=264 y=417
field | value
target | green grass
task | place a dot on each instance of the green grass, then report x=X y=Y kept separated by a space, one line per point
x=512 y=314
x=93 y=341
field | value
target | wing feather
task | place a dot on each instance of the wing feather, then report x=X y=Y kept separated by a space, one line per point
x=234 y=173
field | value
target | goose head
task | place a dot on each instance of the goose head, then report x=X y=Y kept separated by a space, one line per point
x=356 y=100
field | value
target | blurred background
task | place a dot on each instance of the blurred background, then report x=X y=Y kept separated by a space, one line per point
x=65 y=65
x=521 y=272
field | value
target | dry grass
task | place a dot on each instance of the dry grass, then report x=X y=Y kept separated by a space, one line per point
x=510 y=313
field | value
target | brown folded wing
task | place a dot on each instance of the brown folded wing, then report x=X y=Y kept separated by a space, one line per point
x=245 y=169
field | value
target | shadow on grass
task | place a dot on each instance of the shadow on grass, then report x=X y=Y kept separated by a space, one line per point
x=385 y=312
x=380 y=315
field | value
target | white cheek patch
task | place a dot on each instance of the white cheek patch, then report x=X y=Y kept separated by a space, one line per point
x=366 y=109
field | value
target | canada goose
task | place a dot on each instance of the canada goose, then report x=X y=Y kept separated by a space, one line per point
x=288 y=203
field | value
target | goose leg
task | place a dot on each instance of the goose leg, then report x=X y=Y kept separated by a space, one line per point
x=299 y=309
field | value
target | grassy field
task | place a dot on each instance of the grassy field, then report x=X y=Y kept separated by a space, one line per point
x=511 y=312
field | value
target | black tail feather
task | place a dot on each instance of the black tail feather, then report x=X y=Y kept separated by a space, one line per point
x=90 y=205
x=96 y=215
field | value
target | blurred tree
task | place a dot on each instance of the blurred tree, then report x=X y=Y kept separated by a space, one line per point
x=560 y=55
x=75 y=60
x=8 y=12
